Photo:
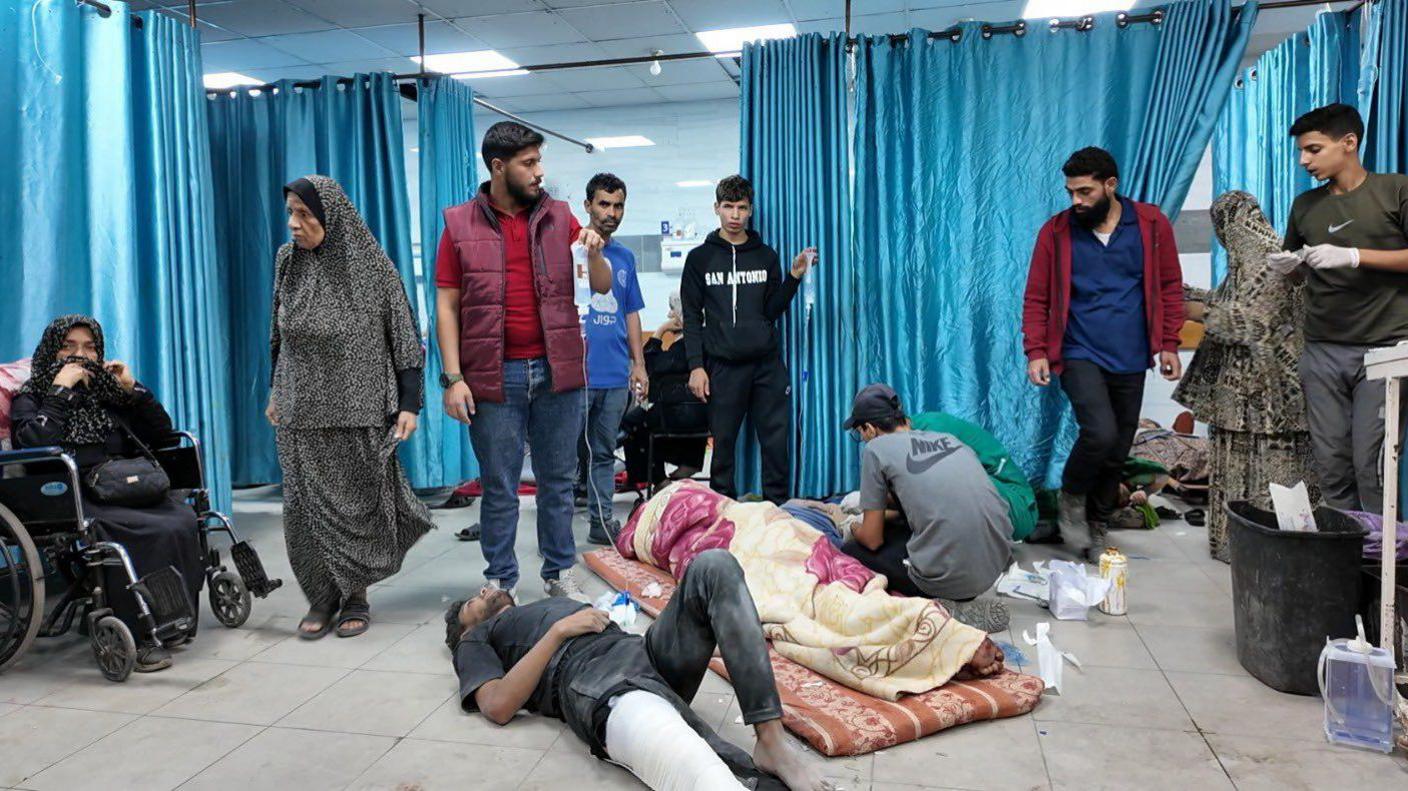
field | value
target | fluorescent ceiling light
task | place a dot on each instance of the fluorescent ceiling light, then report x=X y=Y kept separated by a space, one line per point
x=1051 y=9
x=621 y=141
x=220 y=80
x=695 y=183
x=470 y=65
x=732 y=39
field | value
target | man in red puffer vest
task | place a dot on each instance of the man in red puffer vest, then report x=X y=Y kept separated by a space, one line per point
x=511 y=348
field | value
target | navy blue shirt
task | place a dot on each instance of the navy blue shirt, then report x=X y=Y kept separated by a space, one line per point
x=1107 y=325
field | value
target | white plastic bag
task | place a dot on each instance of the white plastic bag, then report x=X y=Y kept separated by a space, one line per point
x=1073 y=591
x=1022 y=584
x=1049 y=659
x=620 y=607
x=1293 y=511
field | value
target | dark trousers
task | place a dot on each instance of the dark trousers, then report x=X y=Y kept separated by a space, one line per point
x=761 y=391
x=888 y=559
x=1107 y=410
x=711 y=608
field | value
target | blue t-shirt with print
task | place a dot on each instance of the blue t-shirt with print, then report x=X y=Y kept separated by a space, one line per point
x=608 y=355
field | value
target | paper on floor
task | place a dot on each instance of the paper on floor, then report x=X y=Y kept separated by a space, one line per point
x=1049 y=658
x=1022 y=584
x=1293 y=511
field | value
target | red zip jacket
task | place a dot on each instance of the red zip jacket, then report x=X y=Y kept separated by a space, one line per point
x=1048 y=297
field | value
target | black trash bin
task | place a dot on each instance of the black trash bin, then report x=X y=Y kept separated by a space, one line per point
x=1291 y=590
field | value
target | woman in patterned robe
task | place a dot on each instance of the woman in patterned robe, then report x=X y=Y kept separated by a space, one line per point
x=1242 y=381
x=346 y=391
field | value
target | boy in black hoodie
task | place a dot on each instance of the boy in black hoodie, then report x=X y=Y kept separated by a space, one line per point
x=732 y=293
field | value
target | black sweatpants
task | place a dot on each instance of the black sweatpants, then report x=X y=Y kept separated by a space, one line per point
x=888 y=559
x=761 y=391
x=1107 y=410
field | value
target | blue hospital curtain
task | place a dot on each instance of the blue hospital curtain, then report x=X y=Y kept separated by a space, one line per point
x=958 y=149
x=106 y=198
x=349 y=129
x=1386 y=146
x=794 y=149
x=448 y=151
x=1252 y=148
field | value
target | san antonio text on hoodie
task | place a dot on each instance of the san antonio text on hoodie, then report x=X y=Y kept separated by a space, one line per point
x=732 y=296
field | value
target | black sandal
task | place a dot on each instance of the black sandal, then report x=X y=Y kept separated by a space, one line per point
x=1196 y=517
x=320 y=615
x=470 y=533
x=355 y=609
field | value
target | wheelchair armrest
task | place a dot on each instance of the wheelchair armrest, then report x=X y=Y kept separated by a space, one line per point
x=176 y=439
x=25 y=455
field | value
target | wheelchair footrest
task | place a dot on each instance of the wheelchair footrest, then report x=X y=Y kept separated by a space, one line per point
x=251 y=570
x=165 y=593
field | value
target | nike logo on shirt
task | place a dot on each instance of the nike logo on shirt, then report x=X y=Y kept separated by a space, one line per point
x=1340 y=227
x=939 y=451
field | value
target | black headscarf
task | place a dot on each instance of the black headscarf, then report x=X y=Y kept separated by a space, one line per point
x=88 y=418
x=308 y=193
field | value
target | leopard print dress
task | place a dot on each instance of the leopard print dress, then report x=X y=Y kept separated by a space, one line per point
x=342 y=331
x=1242 y=381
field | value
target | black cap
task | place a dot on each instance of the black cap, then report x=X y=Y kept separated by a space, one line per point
x=873 y=402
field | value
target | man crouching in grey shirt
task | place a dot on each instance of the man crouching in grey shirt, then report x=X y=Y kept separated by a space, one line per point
x=953 y=541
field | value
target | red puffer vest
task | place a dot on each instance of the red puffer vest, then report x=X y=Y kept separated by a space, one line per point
x=474 y=229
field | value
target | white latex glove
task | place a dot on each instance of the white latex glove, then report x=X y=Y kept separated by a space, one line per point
x=1283 y=263
x=1329 y=256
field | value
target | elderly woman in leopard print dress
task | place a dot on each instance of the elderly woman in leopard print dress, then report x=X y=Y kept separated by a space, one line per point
x=1242 y=381
x=346 y=391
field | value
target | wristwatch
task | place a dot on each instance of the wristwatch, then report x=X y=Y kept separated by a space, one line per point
x=446 y=380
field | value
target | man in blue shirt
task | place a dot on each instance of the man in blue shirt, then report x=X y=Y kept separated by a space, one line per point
x=615 y=360
x=1104 y=298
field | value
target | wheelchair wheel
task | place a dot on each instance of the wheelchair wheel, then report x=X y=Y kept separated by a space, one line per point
x=113 y=648
x=21 y=589
x=230 y=599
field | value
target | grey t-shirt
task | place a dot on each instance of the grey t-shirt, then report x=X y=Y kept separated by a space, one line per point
x=1360 y=306
x=960 y=524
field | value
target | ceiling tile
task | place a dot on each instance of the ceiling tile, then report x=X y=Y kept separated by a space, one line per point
x=944 y=18
x=824 y=9
x=517 y=85
x=210 y=34
x=581 y=3
x=451 y=9
x=143 y=5
x=393 y=65
x=614 y=98
x=631 y=47
x=244 y=54
x=623 y=21
x=717 y=14
x=681 y=72
x=691 y=93
x=327 y=46
x=520 y=30
x=360 y=13
x=868 y=25
x=440 y=37
x=307 y=72
x=557 y=53
x=261 y=18
x=533 y=104
x=594 y=79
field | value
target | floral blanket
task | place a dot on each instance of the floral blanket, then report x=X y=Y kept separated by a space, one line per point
x=821 y=608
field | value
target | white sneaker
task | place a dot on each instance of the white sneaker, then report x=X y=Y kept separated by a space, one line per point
x=566 y=586
x=499 y=585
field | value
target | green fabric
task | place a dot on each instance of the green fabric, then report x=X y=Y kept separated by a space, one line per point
x=1141 y=472
x=1006 y=476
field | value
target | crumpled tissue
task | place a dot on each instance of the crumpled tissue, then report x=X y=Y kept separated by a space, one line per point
x=619 y=606
x=1049 y=658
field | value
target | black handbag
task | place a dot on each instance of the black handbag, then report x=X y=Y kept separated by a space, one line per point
x=134 y=483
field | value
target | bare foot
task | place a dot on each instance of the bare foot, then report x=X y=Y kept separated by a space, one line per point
x=776 y=755
x=986 y=661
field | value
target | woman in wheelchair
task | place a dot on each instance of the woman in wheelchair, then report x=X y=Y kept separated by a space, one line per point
x=97 y=412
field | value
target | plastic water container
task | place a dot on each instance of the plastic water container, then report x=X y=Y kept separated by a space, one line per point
x=809 y=285
x=1356 y=681
x=581 y=275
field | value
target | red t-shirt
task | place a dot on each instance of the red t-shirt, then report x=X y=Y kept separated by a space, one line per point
x=523 y=327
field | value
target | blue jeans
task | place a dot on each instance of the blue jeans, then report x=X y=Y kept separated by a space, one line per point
x=550 y=424
x=597 y=450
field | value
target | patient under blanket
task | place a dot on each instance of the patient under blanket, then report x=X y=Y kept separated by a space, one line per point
x=819 y=607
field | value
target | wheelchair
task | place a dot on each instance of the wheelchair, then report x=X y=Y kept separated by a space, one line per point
x=44 y=536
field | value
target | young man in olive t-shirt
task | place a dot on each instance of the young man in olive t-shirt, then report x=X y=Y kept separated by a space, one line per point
x=1348 y=239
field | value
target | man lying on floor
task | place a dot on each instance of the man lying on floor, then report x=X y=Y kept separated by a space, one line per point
x=954 y=539
x=626 y=696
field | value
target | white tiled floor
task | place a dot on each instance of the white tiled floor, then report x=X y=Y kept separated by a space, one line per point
x=1160 y=703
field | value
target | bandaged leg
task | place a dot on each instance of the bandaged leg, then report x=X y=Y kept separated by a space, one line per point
x=645 y=734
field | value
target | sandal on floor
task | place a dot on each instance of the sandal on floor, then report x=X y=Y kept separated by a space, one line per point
x=321 y=616
x=470 y=533
x=354 y=610
x=1164 y=512
x=1196 y=517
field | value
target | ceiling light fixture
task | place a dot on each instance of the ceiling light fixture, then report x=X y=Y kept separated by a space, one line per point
x=220 y=80
x=655 y=64
x=729 y=41
x=621 y=141
x=477 y=65
x=1049 y=9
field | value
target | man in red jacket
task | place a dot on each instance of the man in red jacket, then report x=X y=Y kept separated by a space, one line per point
x=511 y=348
x=1104 y=297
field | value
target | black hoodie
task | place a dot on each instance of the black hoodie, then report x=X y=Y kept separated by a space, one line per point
x=731 y=297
